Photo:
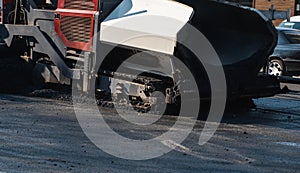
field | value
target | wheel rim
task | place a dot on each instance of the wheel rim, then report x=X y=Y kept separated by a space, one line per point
x=275 y=68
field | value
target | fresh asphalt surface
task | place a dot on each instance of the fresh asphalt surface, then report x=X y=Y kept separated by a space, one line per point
x=43 y=135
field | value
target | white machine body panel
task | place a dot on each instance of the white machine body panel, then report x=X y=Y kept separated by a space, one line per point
x=146 y=24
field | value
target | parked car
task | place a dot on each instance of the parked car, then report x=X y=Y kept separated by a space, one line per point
x=293 y=23
x=285 y=59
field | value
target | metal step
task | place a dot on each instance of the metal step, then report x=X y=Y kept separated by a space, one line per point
x=75 y=58
x=74 y=55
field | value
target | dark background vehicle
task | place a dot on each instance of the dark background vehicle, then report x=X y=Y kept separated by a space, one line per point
x=293 y=23
x=285 y=59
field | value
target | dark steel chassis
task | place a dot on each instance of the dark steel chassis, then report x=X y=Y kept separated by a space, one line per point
x=42 y=38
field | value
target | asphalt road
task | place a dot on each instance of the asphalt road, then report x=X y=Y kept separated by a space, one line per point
x=43 y=135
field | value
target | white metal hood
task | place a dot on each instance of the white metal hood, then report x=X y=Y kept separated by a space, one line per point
x=146 y=24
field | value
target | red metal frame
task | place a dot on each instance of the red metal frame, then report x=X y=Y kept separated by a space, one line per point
x=77 y=13
x=61 y=11
x=61 y=4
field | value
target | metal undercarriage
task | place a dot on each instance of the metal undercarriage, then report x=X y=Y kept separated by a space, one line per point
x=36 y=24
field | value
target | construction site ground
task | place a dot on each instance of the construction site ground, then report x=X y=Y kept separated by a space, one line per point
x=39 y=132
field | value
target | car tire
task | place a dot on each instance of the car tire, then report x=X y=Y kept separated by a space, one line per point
x=275 y=67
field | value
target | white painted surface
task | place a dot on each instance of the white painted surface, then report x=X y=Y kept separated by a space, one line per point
x=290 y=144
x=146 y=24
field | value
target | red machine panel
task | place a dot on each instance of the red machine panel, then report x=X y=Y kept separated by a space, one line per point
x=91 y=5
x=74 y=22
